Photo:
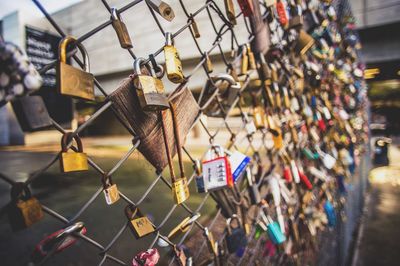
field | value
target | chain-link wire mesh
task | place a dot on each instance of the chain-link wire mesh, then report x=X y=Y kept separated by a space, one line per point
x=254 y=144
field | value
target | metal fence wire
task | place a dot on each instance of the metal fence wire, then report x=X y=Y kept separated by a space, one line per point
x=310 y=138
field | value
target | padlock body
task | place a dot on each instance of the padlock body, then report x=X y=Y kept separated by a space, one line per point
x=180 y=190
x=330 y=213
x=111 y=194
x=217 y=173
x=150 y=93
x=122 y=34
x=275 y=234
x=73 y=162
x=236 y=239
x=259 y=119
x=75 y=82
x=173 y=64
x=141 y=226
x=25 y=213
x=31 y=113
x=247 y=7
x=278 y=141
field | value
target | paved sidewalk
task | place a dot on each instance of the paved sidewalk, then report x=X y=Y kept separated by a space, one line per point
x=380 y=231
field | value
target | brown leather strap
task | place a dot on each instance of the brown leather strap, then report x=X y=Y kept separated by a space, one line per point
x=177 y=138
x=164 y=131
x=177 y=142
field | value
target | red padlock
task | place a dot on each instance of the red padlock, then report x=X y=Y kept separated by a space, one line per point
x=247 y=7
x=281 y=9
x=149 y=257
x=57 y=241
x=287 y=174
x=304 y=179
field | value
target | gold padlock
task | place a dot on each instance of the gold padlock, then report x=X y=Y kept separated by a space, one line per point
x=162 y=8
x=110 y=190
x=150 y=89
x=173 y=64
x=211 y=243
x=121 y=29
x=230 y=11
x=259 y=115
x=278 y=99
x=139 y=224
x=286 y=99
x=252 y=59
x=208 y=64
x=183 y=226
x=72 y=161
x=270 y=97
x=73 y=81
x=180 y=190
x=195 y=29
x=24 y=209
x=244 y=66
x=304 y=42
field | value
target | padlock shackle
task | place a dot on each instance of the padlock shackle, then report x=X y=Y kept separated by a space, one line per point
x=115 y=14
x=20 y=190
x=225 y=77
x=168 y=39
x=71 y=229
x=62 y=51
x=67 y=138
x=131 y=211
x=106 y=180
x=230 y=220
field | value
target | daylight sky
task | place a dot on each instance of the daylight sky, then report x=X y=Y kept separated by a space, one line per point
x=7 y=6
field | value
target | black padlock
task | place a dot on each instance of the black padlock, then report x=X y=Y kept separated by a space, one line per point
x=31 y=113
x=235 y=237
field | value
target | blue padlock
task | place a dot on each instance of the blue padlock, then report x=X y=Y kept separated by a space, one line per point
x=330 y=213
x=275 y=234
x=273 y=230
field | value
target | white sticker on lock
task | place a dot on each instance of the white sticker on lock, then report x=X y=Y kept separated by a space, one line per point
x=238 y=162
x=217 y=171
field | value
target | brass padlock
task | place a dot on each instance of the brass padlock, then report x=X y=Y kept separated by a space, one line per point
x=150 y=90
x=72 y=161
x=208 y=64
x=162 y=8
x=195 y=29
x=24 y=210
x=230 y=11
x=244 y=66
x=211 y=243
x=304 y=42
x=173 y=64
x=139 y=224
x=252 y=60
x=121 y=29
x=110 y=190
x=270 y=97
x=259 y=119
x=286 y=99
x=180 y=190
x=73 y=81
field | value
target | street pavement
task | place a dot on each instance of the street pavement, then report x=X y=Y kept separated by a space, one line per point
x=380 y=230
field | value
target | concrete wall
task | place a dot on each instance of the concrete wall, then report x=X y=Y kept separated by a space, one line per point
x=372 y=13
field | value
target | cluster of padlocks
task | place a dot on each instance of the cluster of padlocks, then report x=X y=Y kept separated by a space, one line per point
x=299 y=89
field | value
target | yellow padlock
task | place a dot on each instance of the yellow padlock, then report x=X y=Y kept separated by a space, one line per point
x=72 y=161
x=73 y=81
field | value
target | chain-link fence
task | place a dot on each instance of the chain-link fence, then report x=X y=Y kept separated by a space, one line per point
x=259 y=144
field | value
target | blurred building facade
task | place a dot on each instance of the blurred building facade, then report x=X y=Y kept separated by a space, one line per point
x=378 y=25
